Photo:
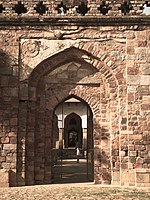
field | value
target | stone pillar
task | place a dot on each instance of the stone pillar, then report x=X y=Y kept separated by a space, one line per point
x=30 y=138
x=48 y=146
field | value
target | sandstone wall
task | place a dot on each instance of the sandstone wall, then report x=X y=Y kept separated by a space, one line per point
x=120 y=104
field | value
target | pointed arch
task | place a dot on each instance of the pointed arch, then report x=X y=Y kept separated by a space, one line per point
x=73 y=130
x=45 y=100
x=53 y=62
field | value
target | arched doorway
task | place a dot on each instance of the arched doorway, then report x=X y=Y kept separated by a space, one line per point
x=73 y=134
x=74 y=130
x=52 y=84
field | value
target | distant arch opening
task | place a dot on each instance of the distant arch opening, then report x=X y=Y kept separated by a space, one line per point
x=74 y=131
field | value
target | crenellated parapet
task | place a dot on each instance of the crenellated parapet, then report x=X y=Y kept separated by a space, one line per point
x=74 y=8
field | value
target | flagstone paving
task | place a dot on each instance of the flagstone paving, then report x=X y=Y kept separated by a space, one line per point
x=74 y=192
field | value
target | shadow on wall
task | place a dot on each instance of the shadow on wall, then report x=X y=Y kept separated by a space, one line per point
x=6 y=61
x=13 y=179
x=102 y=155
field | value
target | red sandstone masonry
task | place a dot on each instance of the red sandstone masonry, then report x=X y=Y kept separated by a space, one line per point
x=120 y=103
x=71 y=5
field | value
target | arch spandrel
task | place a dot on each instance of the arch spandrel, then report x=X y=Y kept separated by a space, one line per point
x=59 y=59
x=36 y=51
x=105 y=73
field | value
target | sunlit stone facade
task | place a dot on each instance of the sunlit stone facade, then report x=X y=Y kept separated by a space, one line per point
x=96 y=52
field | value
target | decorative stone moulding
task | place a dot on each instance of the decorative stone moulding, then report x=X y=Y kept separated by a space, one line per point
x=76 y=7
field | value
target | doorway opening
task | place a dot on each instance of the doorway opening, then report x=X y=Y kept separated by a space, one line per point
x=72 y=142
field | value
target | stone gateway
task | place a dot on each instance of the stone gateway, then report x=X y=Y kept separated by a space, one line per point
x=75 y=74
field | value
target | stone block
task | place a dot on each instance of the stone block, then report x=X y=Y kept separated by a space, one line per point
x=132 y=89
x=139 y=160
x=124 y=177
x=124 y=166
x=115 y=152
x=132 y=153
x=124 y=120
x=132 y=71
x=23 y=91
x=122 y=153
x=6 y=70
x=146 y=69
x=145 y=106
x=13 y=121
x=129 y=63
x=143 y=185
x=4 y=178
x=145 y=80
x=131 y=147
x=146 y=99
x=130 y=35
x=143 y=89
x=4 y=81
x=143 y=177
x=39 y=177
x=2 y=158
x=11 y=134
x=117 y=183
x=132 y=160
x=32 y=93
x=14 y=92
x=116 y=176
x=133 y=80
x=132 y=184
x=2 y=134
x=13 y=140
x=145 y=165
x=142 y=43
x=132 y=176
x=10 y=159
x=147 y=160
x=5 y=140
x=135 y=137
x=9 y=146
x=130 y=50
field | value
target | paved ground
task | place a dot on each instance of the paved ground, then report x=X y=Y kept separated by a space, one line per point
x=74 y=192
x=69 y=171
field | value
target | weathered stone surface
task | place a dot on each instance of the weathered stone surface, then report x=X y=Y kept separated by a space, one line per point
x=143 y=178
x=4 y=180
x=145 y=80
x=133 y=80
x=146 y=69
x=44 y=61
x=132 y=153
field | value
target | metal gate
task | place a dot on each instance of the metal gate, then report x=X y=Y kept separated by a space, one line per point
x=66 y=169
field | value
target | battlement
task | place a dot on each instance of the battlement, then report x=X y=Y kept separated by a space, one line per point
x=76 y=8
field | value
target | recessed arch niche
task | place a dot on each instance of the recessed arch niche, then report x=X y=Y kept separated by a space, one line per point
x=44 y=96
